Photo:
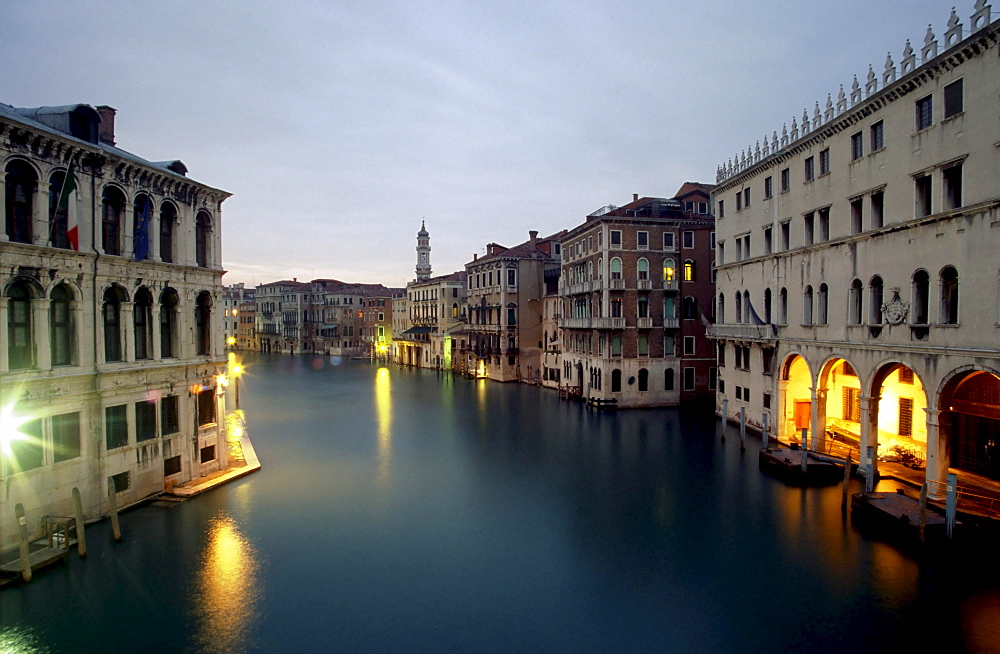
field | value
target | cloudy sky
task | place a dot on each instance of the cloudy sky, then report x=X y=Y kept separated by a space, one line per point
x=339 y=126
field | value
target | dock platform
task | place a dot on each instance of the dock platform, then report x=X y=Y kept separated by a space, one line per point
x=896 y=516
x=786 y=465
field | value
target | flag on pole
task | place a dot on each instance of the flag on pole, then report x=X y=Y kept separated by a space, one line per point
x=754 y=318
x=142 y=230
x=701 y=315
x=67 y=202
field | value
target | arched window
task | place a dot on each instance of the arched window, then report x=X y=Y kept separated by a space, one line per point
x=875 y=301
x=688 y=270
x=643 y=379
x=142 y=316
x=642 y=345
x=822 y=304
x=807 y=306
x=168 y=217
x=61 y=325
x=721 y=312
x=590 y=271
x=616 y=346
x=616 y=268
x=739 y=307
x=20 y=183
x=668 y=379
x=855 y=309
x=949 y=296
x=20 y=335
x=58 y=215
x=668 y=270
x=454 y=310
x=202 y=234
x=112 y=312
x=142 y=214
x=783 y=306
x=203 y=323
x=642 y=306
x=690 y=308
x=168 y=323
x=767 y=305
x=112 y=208
x=616 y=307
x=616 y=381
x=642 y=269
x=921 y=295
x=600 y=268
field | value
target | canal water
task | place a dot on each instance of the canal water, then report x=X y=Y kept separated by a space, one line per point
x=403 y=510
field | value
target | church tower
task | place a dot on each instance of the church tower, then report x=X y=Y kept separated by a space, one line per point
x=423 y=254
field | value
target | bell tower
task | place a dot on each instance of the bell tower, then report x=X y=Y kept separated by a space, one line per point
x=423 y=254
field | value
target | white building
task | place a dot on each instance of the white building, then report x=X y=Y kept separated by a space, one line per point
x=111 y=358
x=857 y=268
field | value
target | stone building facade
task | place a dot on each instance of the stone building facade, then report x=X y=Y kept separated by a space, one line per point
x=634 y=281
x=857 y=269
x=112 y=364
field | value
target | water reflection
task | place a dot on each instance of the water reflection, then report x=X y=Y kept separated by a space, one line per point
x=20 y=640
x=229 y=593
x=383 y=422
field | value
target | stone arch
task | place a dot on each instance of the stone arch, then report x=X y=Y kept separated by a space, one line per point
x=795 y=396
x=968 y=423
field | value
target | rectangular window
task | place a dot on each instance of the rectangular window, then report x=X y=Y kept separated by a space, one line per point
x=65 y=437
x=905 y=416
x=172 y=466
x=922 y=195
x=746 y=197
x=722 y=209
x=511 y=278
x=688 y=240
x=642 y=240
x=169 y=415
x=711 y=240
x=824 y=162
x=851 y=404
x=688 y=345
x=785 y=180
x=807 y=225
x=689 y=379
x=767 y=187
x=786 y=229
x=689 y=207
x=116 y=426
x=27 y=453
x=767 y=358
x=207 y=454
x=925 y=112
x=824 y=224
x=857 y=146
x=905 y=375
x=122 y=481
x=767 y=400
x=739 y=200
x=713 y=376
x=206 y=407
x=616 y=239
x=642 y=344
x=145 y=420
x=856 y=211
x=767 y=241
x=668 y=241
x=878 y=205
x=703 y=207
x=952 y=178
x=810 y=169
x=877 y=134
x=953 y=99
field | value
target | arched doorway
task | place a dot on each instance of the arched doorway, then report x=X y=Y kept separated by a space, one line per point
x=899 y=419
x=796 y=395
x=970 y=422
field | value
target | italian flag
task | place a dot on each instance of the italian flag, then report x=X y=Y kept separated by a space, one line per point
x=67 y=201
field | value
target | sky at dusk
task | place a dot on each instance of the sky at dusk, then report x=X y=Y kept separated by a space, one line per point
x=339 y=126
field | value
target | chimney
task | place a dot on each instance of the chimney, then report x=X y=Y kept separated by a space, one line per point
x=635 y=197
x=106 y=133
x=533 y=235
x=475 y=256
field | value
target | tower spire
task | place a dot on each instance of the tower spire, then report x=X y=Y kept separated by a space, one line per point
x=423 y=253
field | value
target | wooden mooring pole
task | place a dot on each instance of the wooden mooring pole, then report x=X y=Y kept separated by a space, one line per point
x=22 y=541
x=847 y=481
x=805 y=448
x=113 y=510
x=923 y=513
x=765 y=435
x=725 y=415
x=869 y=471
x=81 y=536
x=951 y=504
x=743 y=429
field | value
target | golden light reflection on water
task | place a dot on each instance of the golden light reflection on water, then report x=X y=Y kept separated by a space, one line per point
x=229 y=593
x=383 y=422
x=20 y=640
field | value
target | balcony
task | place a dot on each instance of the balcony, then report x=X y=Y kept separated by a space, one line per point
x=616 y=284
x=576 y=323
x=644 y=323
x=484 y=328
x=644 y=285
x=671 y=323
x=576 y=289
x=670 y=284
x=743 y=332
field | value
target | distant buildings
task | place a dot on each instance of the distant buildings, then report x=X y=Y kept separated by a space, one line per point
x=857 y=267
x=112 y=364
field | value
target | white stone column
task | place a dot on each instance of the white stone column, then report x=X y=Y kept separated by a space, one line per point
x=155 y=355
x=937 y=453
x=780 y=425
x=3 y=232
x=127 y=324
x=869 y=430
x=40 y=328
x=817 y=418
x=40 y=214
x=154 y=234
x=4 y=336
x=77 y=347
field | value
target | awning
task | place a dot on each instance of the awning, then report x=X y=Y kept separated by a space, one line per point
x=329 y=326
x=421 y=329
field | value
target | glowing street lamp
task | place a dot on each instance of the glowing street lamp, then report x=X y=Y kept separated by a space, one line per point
x=10 y=428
